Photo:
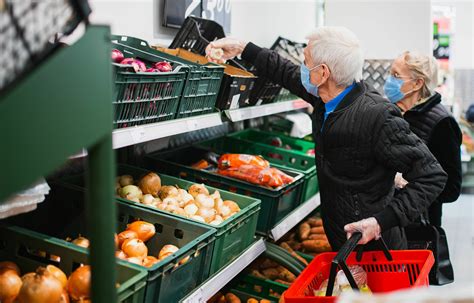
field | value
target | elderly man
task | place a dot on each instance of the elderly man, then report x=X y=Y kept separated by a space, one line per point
x=361 y=139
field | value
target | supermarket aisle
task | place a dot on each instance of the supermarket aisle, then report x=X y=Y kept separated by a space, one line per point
x=458 y=221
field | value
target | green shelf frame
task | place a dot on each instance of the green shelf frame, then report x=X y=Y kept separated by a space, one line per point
x=60 y=107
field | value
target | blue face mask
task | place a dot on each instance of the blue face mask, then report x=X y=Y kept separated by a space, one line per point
x=392 y=89
x=305 y=80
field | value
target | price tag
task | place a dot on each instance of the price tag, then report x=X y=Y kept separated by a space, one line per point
x=137 y=134
x=196 y=297
x=235 y=101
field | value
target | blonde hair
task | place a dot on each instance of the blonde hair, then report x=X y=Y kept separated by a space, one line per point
x=423 y=67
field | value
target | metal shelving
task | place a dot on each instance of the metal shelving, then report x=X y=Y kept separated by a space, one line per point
x=206 y=290
x=295 y=217
x=246 y=113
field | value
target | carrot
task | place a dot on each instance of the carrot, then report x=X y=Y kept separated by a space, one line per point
x=317 y=230
x=317 y=237
x=267 y=263
x=215 y=298
x=271 y=273
x=316 y=246
x=257 y=274
x=294 y=245
x=231 y=298
x=315 y=222
x=283 y=282
x=265 y=301
x=285 y=274
x=304 y=231
x=286 y=247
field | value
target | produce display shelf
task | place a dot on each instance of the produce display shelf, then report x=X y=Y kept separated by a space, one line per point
x=212 y=285
x=251 y=112
x=295 y=217
x=147 y=132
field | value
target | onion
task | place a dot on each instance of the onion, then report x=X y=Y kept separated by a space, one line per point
x=116 y=241
x=136 y=200
x=81 y=241
x=150 y=184
x=179 y=211
x=135 y=248
x=171 y=208
x=168 y=191
x=79 y=283
x=197 y=189
x=217 y=220
x=40 y=287
x=185 y=196
x=10 y=265
x=191 y=209
x=161 y=206
x=117 y=56
x=125 y=180
x=58 y=274
x=125 y=235
x=163 y=66
x=167 y=250
x=149 y=261
x=135 y=260
x=204 y=201
x=55 y=258
x=130 y=192
x=216 y=195
x=184 y=260
x=171 y=201
x=148 y=199
x=10 y=284
x=138 y=66
x=121 y=255
x=144 y=230
x=224 y=211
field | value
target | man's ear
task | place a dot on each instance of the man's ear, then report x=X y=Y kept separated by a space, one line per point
x=326 y=72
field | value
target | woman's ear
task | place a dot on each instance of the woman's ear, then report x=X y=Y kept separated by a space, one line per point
x=418 y=84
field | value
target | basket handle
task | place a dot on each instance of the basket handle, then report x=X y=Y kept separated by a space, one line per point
x=341 y=257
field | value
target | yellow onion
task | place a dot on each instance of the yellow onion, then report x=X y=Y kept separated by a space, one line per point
x=197 y=189
x=81 y=241
x=40 y=287
x=150 y=184
x=125 y=180
x=121 y=255
x=10 y=285
x=144 y=230
x=79 y=283
x=125 y=235
x=135 y=248
x=58 y=274
x=167 y=250
x=168 y=191
x=149 y=261
x=10 y=265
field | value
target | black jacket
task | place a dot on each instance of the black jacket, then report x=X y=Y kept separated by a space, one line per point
x=365 y=141
x=441 y=133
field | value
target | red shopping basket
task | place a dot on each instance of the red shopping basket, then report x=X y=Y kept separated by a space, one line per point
x=386 y=271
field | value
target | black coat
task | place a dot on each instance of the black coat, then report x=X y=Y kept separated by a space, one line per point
x=365 y=141
x=441 y=133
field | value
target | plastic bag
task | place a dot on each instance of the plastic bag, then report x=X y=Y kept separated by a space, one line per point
x=24 y=201
x=342 y=284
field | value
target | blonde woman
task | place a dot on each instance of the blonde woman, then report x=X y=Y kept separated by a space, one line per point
x=411 y=84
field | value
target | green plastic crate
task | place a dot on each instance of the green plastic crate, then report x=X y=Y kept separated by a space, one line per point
x=275 y=203
x=63 y=216
x=289 y=159
x=19 y=245
x=233 y=236
x=264 y=137
x=142 y=98
x=247 y=286
x=202 y=84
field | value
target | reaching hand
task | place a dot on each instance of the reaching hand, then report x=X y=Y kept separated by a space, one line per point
x=399 y=181
x=369 y=228
x=221 y=50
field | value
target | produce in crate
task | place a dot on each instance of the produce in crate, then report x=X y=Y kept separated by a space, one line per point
x=307 y=237
x=232 y=298
x=265 y=268
x=195 y=203
x=342 y=284
x=46 y=284
x=139 y=66
x=117 y=56
x=131 y=246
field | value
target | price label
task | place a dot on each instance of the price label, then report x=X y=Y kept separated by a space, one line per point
x=137 y=134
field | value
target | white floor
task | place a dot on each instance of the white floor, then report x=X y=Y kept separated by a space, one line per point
x=458 y=221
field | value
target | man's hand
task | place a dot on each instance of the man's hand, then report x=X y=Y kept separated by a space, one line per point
x=369 y=228
x=399 y=181
x=221 y=50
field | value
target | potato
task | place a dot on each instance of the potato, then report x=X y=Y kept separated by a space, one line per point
x=304 y=231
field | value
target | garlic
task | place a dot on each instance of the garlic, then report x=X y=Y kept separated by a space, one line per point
x=191 y=209
x=198 y=218
x=148 y=199
x=204 y=201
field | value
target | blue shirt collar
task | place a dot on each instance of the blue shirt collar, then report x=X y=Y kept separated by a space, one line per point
x=331 y=105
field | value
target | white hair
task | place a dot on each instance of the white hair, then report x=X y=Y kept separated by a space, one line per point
x=424 y=67
x=340 y=50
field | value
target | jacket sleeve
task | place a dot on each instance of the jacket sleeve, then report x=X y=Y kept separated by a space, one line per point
x=445 y=144
x=397 y=148
x=271 y=65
